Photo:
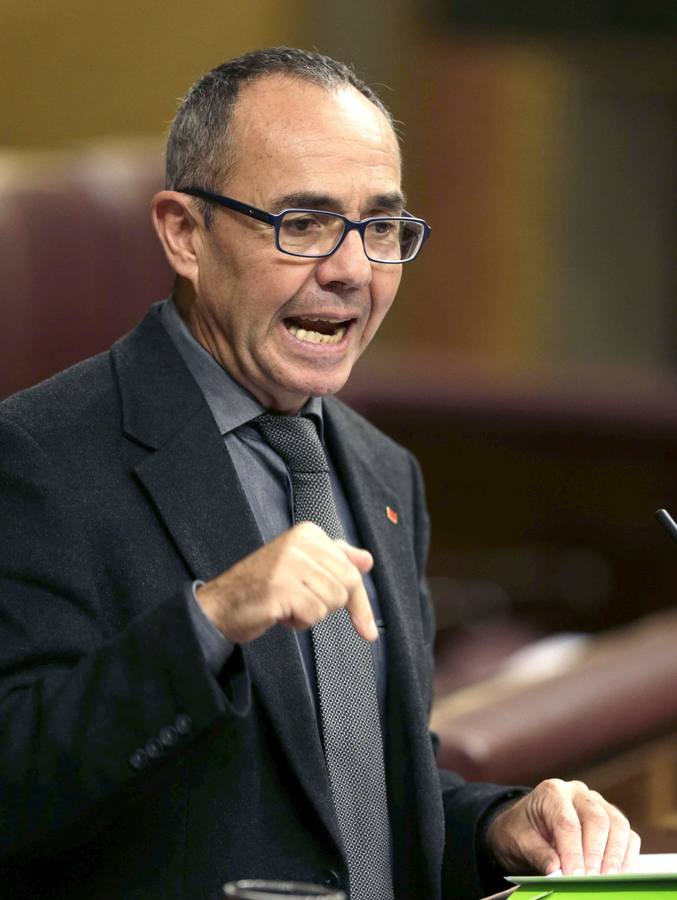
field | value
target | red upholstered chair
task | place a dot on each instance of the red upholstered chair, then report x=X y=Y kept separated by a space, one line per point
x=79 y=260
x=616 y=695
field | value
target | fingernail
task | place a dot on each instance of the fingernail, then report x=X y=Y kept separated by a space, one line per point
x=578 y=872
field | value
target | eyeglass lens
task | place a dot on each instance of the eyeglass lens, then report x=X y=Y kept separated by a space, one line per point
x=317 y=234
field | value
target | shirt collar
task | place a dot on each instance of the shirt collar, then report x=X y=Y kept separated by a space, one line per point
x=230 y=404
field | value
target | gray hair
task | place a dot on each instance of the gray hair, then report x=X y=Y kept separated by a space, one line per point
x=200 y=151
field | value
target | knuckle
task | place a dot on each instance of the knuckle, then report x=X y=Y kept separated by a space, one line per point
x=299 y=618
x=315 y=613
x=293 y=563
x=281 y=567
x=353 y=579
x=339 y=596
x=302 y=531
x=567 y=824
x=598 y=819
x=618 y=818
x=552 y=786
x=347 y=576
x=634 y=842
x=307 y=613
x=615 y=857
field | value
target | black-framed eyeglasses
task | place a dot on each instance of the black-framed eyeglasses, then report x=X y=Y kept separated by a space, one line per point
x=316 y=233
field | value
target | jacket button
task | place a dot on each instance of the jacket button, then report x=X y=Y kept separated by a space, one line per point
x=183 y=724
x=168 y=736
x=138 y=759
x=328 y=877
x=154 y=749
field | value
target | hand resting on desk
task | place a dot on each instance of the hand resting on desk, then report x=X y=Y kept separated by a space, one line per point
x=563 y=825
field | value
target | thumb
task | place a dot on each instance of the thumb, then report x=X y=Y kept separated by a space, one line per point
x=520 y=847
x=361 y=559
x=537 y=855
x=544 y=859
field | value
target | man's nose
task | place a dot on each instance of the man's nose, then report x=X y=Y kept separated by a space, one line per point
x=348 y=265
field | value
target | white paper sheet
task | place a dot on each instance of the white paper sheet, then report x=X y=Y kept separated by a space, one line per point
x=647 y=862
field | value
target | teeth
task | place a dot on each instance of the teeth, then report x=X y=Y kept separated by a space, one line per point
x=316 y=337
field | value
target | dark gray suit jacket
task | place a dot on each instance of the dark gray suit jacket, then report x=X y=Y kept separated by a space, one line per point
x=127 y=770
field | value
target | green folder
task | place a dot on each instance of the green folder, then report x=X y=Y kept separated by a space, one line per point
x=635 y=886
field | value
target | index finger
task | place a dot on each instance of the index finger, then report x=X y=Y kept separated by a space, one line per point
x=567 y=838
x=359 y=607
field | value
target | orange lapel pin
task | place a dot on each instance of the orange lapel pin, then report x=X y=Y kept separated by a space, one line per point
x=391 y=515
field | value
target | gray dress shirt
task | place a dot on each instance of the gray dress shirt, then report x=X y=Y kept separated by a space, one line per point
x=267 y=486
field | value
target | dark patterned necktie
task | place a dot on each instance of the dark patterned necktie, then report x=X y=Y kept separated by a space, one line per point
x=351 y=730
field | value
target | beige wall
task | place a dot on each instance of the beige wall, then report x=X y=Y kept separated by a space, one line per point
x=543 y=166
x=74 y=69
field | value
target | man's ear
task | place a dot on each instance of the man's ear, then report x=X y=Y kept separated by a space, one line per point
x=177 y=228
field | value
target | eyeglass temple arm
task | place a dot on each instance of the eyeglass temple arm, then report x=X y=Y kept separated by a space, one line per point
x=244 y=208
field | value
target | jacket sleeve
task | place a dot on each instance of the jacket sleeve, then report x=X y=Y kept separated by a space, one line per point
x=86 y=710
x=469 y=869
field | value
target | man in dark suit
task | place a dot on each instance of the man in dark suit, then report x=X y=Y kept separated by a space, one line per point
x=161 y=727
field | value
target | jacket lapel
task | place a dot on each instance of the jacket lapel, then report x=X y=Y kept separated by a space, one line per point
x=370 y=495
x=413 y=785
x=191 y=480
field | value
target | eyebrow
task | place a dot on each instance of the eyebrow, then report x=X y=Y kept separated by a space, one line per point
x=392 y=202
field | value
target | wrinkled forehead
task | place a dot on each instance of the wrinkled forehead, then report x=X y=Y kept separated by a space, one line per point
x=293 y=123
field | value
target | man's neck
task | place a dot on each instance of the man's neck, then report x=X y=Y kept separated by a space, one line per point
x=184 y=296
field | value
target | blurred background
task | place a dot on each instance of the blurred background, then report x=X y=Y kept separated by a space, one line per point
x=529 y=360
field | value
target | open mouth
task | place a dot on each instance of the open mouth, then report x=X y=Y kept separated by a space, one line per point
x=317 y=331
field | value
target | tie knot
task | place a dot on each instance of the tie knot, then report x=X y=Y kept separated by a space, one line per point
x=295 y=439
